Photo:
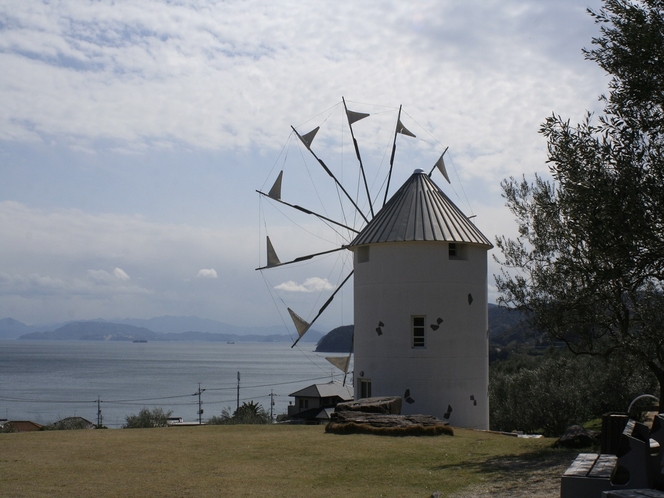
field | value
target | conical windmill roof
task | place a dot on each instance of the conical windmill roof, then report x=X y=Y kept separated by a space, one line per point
x=420 y=211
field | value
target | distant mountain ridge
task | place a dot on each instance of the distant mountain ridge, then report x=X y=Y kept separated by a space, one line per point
x=507 y=329
x=13 y=329
x=164 y=328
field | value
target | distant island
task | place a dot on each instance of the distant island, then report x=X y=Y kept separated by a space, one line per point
x=170 y=329
x=339 y=340
x=508 y=330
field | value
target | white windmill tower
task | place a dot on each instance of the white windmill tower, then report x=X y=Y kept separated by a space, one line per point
x=420 y=296
x=421 y=306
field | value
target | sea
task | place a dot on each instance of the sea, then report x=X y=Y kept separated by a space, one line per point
x=46 y=381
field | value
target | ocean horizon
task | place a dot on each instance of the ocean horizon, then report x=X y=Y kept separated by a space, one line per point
x=46 y=381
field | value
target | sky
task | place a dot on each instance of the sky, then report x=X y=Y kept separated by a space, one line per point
x=134 y=135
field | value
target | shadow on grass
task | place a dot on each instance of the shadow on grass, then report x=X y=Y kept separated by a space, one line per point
x=546 y=463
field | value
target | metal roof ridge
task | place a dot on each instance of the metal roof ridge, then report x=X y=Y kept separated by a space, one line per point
x=420 y=211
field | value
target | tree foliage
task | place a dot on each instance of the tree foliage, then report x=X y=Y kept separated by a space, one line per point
x=147 y=418
x=248 y=413
x=548 y=394
x=588 y=262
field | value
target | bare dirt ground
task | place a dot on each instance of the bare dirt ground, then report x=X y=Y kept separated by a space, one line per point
x=523 y=478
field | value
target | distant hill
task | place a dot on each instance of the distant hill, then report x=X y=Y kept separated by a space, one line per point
x=13 y=329
x=175 y=324
x=507 y=329
x=94 y=331
x=339 y=340
x=108 y=331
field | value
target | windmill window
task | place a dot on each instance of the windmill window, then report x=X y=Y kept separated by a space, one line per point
x=456 y=251
x=363 y=254
x=365 y=388
x=418 y=331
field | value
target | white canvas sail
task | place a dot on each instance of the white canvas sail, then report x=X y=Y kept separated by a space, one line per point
x=300 y=323
x=403 y=130
x=341 y=362
x=440 y=164
x=275 y=191
x=309 y=137
x=355 y=116
x=272 y=258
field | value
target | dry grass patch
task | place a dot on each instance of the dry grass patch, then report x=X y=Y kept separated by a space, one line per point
x=255 y=461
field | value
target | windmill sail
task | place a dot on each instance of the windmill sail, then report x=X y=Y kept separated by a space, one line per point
x=309 y=137
x=272 y=258
x=440 y=164
x=300 y=323
x=275 y=191
x=355 y=116
x=352 y=118
x=403 y=130
x=306 y=140
x=341 y=362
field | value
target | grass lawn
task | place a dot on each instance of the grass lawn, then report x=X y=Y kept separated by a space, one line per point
x=258 y=461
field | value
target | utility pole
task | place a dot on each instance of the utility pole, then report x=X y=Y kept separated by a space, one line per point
x=99 y=417
x=271 y=405
x=238 y=392
x=200 y=410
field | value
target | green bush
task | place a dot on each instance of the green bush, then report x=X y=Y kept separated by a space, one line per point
x=147 y=418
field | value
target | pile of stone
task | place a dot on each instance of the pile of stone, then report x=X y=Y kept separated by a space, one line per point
x=382 y=416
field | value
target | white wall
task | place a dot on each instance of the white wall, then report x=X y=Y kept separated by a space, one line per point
x=402 y=279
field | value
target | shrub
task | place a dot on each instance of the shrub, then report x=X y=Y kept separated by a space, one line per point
x=147 y=418
x=69 y=423
x=560 y=390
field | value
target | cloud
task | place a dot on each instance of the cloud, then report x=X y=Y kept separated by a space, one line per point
x=120 y=274
x=132 y=132
x=83 y=263
x=147 y=75
x=313 y=284
x=207 y=273
x=106 y=278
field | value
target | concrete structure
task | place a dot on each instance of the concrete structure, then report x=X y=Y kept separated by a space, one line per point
x=421 y=316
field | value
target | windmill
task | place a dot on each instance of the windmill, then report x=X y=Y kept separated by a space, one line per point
x=420 y=290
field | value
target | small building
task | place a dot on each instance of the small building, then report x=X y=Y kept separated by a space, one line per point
x=22 y=426
x=315 y=403
x=174 y=420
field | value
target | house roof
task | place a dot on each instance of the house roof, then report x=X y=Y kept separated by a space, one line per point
x=24 y=425
x=420 y=211
x=325 y=391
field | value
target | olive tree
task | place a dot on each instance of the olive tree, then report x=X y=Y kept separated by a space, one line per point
x=588 y=262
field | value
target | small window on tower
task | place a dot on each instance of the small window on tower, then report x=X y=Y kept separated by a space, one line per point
x=456 y=251
x=418 y=331
x=363 y=254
